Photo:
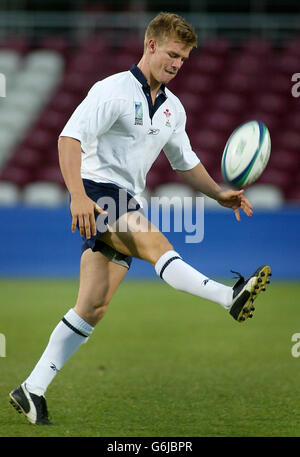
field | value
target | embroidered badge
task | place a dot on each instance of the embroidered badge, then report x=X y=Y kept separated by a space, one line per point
x=168 y=115
x=138 y=109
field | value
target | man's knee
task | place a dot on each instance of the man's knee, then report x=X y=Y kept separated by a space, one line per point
x=99 y=309
x=94 y=310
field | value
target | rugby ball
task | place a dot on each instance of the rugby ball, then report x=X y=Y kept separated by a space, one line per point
x=246 y=154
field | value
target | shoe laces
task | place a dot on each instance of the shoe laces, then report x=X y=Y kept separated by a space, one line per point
x=240 y=278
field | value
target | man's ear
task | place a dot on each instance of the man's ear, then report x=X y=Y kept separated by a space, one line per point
x=152 y=45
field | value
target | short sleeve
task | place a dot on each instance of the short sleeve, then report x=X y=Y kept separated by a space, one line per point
x=178 y=149
x=94 y=116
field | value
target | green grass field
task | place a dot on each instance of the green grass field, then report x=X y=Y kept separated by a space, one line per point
x=160 y=364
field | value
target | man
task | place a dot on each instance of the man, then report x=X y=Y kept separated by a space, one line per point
x=105 y=150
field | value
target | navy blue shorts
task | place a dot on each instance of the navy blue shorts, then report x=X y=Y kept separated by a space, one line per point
x=116 y=201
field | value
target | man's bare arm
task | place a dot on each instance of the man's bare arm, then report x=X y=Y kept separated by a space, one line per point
x=199 y=179
x=82 y=207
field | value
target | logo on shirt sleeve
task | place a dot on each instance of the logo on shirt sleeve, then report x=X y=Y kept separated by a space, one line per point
x=138 y=109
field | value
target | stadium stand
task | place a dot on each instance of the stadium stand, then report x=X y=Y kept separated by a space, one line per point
x=9 y=194
x=221 y=87
x=265 y=196
x=44 y=194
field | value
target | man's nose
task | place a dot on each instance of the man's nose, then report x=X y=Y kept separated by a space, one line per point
x=177 y=63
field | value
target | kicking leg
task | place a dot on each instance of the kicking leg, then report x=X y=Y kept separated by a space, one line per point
x=145 y=241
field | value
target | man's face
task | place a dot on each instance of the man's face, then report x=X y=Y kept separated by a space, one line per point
x=166 y=59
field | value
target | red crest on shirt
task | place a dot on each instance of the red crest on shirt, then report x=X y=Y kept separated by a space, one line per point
x=168 y=115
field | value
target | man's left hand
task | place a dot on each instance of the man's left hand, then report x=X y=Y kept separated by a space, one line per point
x=235 y=199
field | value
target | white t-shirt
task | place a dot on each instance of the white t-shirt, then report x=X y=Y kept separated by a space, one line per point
x=120 y=136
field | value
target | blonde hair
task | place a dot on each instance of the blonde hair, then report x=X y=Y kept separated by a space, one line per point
x=169 y=25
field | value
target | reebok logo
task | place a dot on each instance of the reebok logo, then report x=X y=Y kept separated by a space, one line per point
x=205 y=282
x=53 y=367
x=153 y=131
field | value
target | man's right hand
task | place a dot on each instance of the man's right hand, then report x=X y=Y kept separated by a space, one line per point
x=82 y=210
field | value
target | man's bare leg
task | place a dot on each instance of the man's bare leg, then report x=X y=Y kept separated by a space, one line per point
x=99 y=279
x=140 y=238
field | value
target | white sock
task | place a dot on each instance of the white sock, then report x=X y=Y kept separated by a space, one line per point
x=65 y=339
x=178 y=274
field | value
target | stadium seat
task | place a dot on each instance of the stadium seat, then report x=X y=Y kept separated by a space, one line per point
x=7 y=142
x=284 y=159
x=38 y=84
x=40 y=139
x=286 y=64
x=293 y=195
x=218 y=46
x=20 y=44
x=265 y=196
x=278 y=84
x=209 y=140
x=77 y=83
x=131 y=46
x=51 y=158
x=25 y=157
x=64 y=101
x=292 y=46
x=50 y=173
x=43 y=194
x=52 y=120
x=291 y=120
x=289 y=139
x=247 y=63
x=198 y=84
x=208 y=158
x=23 y=102
x=260 y=47
x=45 y=62
x=277 y=177
x=95 y=44
x=9 y=194
x=9 y=62
x=216 y=172
x=206 y=64
x=55 y=43
x=271 y=103
x=193 y=103
x=15 y=122
x=83 y=63
x=17 y=175
x=154 y=178
x=229 y=102
x=219 y=120
x=238 y=82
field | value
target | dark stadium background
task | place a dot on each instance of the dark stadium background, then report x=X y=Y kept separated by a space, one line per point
x=242 y=69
